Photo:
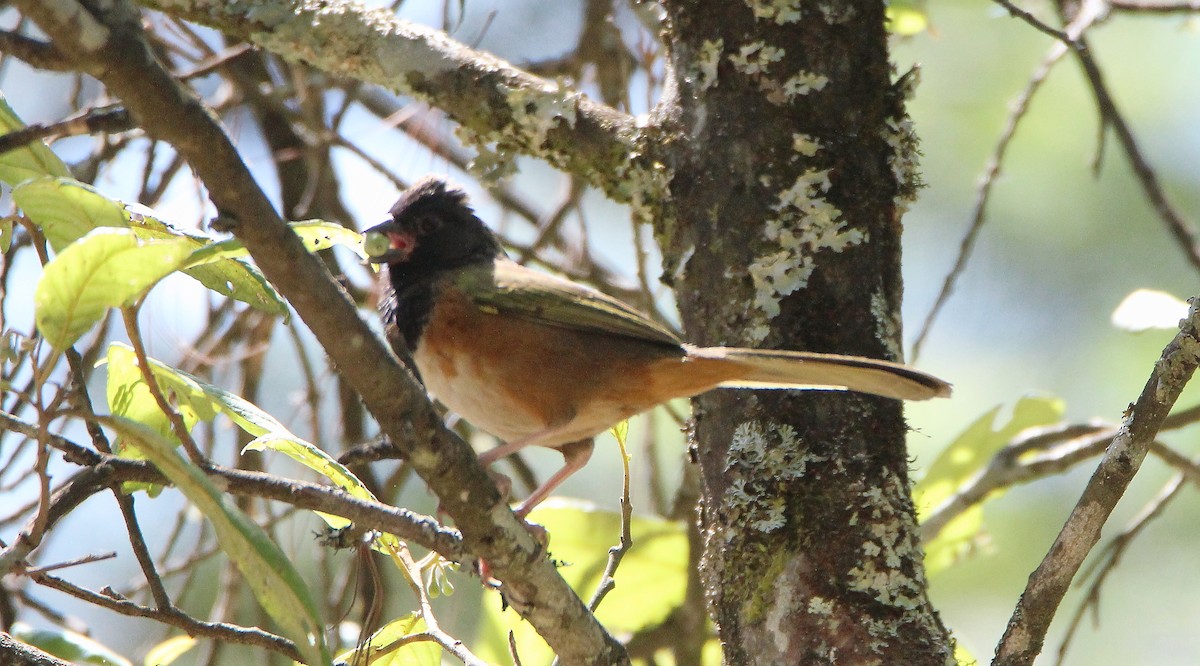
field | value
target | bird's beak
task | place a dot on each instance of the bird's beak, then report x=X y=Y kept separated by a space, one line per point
x=387 y=244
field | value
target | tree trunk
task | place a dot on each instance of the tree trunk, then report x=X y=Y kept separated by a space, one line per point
x=788 y=191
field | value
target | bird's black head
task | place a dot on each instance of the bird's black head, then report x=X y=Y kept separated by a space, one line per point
x=432 y=229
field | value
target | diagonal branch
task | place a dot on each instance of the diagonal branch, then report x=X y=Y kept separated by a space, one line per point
x=1026 y=632
x=106 y=41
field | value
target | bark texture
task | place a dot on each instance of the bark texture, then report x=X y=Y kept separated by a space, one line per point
x=788 y=186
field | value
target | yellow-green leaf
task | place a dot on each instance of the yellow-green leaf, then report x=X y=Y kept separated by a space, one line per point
x=30 y=161
x=267 y=571
x=6 y=234
x=580 y=536
x=321 y=462
x=196 y=400
x=66 y=209
x=166 y=652
x=68 y=645
x=315 y=234
x=1144 y=309
x=229 y=277
x=907 y=18
x=964 y=458
x=415 y=653
x=108 y=268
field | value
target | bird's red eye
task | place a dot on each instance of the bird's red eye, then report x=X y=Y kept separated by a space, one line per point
x=427 y=225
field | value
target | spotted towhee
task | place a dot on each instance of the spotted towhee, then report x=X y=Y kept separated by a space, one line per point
x=539 y=360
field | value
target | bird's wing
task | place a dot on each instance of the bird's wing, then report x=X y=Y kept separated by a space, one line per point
x=507 y=287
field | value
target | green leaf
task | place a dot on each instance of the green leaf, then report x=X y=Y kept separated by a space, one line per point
x=316 y=235
x=66 y=209
x=6 y=234
x=195 y=399
x=580 y=536
x=68 y=645
x=321 y=462
x=416 y=653
x=267 y=571
x=31 y=161
x=166 y=652
x=964 y=458
x=129 y=397
x=108 y=268
x=233 y=278
x=314 y=458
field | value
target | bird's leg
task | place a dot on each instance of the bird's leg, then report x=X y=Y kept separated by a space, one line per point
x=575 y=456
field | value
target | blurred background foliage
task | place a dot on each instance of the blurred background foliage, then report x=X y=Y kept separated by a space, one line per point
x=1062 y=246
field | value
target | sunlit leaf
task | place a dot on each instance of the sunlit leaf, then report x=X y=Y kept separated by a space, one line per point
x=321 y=462
x=195 y=399
x=66 y=209
x=267 y=571
x=964 y=458
x=108 y=268
x=68 y=645
x=6 y=234
x=1144 y=309
x=229 y=277
x=129 y=397
x=415 y=653
x=166 y=652
x=315 y=234
x=315 y=459
x=30 y=161
x=580 y=536
x=907 y=18
x=963 y=656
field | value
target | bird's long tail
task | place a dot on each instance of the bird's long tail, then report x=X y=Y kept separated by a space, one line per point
x=777 y=369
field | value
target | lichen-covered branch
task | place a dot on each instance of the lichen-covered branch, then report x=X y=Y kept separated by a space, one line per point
x=503 y=110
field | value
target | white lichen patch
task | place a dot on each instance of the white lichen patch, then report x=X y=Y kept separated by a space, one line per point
x=706 y=63
x=903 y=145
x=903 y=152
x=890 y=551
x=818 y=605
x=764 y=458
x=887 y=324
x=806 y=224
x=536 y=112
x=755 y=58
x=779 y=11
x=799 y=84
x=805 y=144
x=803 y=82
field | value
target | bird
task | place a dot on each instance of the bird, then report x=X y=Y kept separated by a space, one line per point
x=539 y=360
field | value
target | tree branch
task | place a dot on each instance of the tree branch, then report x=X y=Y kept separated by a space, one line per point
x=494 y=101
x=1026 y=632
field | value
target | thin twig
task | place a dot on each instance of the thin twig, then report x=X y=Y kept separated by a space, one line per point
x=176 y=618
x=990 y=176
x=178 y=427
